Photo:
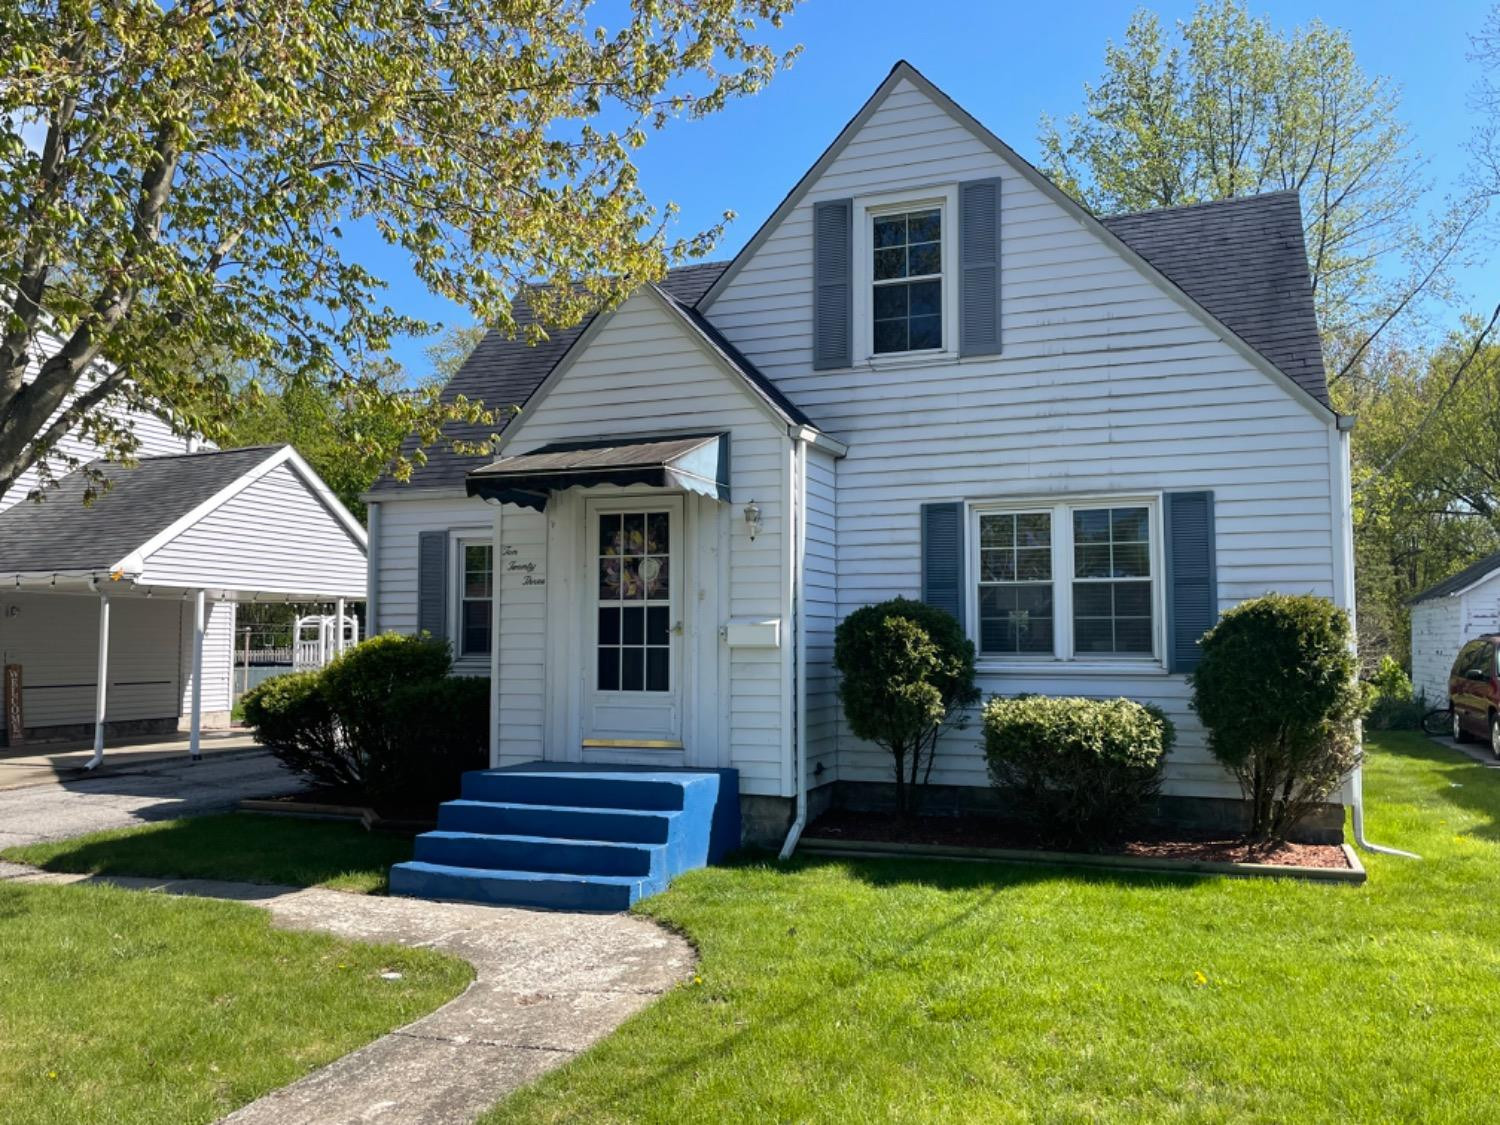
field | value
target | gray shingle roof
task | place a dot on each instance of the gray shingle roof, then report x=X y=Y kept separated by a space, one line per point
x=62 y=535
x=1464 y=578
x=503 y=372
x=1245 y=261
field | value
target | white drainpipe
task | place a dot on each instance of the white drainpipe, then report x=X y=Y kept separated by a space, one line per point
x=101 y=688
x=1355 y=790
x=799 y=640
x=195 y=721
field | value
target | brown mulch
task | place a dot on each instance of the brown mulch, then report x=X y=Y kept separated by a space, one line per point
x=972 y=831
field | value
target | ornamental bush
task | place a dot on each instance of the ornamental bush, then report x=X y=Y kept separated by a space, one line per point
x=1277 y=691
x=1394 y=706
x=908 y=671
x=385 y=719
x=1080 y=770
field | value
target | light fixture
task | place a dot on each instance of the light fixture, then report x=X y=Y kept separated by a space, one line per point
x=752 y=519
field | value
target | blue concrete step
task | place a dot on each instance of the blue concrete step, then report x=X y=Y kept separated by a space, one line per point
x=547 y=890
x=537 y=853
x=572 y=837
x=502 y=818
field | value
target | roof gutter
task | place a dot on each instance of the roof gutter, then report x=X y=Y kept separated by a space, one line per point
x=799 y=643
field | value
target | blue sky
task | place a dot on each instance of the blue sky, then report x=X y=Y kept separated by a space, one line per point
x=1005 y=63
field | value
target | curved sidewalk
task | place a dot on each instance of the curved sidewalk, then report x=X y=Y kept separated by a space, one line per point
x=547 y=986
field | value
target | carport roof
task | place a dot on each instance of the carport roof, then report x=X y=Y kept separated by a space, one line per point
x=68 y=535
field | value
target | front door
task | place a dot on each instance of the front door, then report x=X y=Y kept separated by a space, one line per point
x=634 y=624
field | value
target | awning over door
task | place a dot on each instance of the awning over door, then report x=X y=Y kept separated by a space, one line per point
x=696 y=463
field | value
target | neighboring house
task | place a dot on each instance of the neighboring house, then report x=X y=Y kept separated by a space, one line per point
x=120 y=614
x=1444 y=617
x=930 y=373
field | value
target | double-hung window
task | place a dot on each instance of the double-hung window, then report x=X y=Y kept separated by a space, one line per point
x=1070 y=580
x=476 y=592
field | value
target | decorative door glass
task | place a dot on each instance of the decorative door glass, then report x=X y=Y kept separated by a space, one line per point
x=635 y=602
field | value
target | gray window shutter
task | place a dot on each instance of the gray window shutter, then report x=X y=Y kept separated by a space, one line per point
x=432 y=583
x=1192 y=591
x=833 y=284
x=979 y=267
x=943 y=558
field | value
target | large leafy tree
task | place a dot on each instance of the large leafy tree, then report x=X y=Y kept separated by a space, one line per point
x=1228 y=106
x=194 y=181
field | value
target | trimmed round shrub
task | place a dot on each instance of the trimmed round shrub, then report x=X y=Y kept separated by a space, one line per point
x=1080 y=770
x=907 y=671
x=1276 y=689
x=442 y=730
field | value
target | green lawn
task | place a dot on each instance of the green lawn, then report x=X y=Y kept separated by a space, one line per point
x=252 y=847
x=907 y=991
x=125 y=1007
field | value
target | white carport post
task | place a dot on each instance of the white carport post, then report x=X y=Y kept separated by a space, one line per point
x=101 y=688
x=338 y=616
x=195 y=726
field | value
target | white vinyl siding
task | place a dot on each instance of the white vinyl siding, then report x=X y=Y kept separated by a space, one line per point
x=1108 y=385
x=1440 y=627
x=218 y=657
x=54 y=637
x=274 y=536
x=402 y=518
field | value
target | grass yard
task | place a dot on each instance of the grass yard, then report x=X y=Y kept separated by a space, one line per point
x=915 y=991
x=126 y=1007
x=252 y=847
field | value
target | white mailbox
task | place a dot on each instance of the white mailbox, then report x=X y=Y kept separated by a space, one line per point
x=758 y=633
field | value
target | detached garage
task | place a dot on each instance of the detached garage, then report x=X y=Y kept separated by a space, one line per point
x=1444 y=616
x=117 y=612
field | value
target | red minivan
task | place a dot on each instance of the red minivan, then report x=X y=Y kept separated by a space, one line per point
x=1474 y=692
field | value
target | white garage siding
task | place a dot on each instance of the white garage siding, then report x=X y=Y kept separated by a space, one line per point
x=54 y=637
x=1440 y=627
x=218 y=660
x=1108 y=383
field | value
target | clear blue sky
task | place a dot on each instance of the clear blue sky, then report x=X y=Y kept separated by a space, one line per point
x=1005 y=63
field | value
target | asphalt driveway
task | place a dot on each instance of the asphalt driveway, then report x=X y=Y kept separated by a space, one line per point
x=157 y=790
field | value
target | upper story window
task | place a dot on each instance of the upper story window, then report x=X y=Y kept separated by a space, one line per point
x=907 y=281
x=1072 y=580
x=476 y=589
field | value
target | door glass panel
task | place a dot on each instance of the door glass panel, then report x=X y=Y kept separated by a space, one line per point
x=634 y=633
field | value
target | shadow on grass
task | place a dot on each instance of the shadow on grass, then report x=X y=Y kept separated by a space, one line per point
x=1472 y=785
x=241 y=847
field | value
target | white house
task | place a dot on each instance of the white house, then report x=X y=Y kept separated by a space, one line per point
x=930 y=373
x=1446 y=616
x=117 y=617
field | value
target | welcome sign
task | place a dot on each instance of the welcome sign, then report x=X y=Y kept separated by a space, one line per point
x=15 y=725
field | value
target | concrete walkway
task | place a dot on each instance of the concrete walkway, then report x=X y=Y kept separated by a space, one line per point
x=1478 y=751
x=41 y=762
x=547 y=986
x=159 y=790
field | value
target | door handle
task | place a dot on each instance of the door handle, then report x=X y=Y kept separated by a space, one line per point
x=677 y=628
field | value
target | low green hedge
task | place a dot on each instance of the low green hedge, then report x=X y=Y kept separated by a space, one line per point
x=385 y=718
x=1080 y=770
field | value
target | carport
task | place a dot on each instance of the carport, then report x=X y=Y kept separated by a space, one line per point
x=214 y=528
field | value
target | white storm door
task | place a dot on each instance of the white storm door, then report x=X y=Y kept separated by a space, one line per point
x=633 y=624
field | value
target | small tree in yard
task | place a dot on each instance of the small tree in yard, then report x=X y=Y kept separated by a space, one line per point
x=908 y=671
x=1277 y=691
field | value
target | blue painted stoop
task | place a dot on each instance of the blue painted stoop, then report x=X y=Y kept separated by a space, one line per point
x=573 y=837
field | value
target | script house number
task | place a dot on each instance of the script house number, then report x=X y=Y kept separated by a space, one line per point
x=526 y=568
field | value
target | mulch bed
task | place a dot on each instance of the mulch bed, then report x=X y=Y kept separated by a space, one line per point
x=988 y=832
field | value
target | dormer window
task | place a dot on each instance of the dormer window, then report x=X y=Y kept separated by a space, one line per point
x=907 y=281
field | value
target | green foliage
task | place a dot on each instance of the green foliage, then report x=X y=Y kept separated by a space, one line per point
x=439 y=729
x=1277 y=691
x=1231 y=106
x=907 y=672
x=203 y=171
x=1080 y=769
x=384 y=718
x=1394 y=706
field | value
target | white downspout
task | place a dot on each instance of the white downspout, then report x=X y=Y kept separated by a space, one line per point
x=799 y=642
x=338 y=638
x=101 y=689
x=195 y=723
x=1354 y=784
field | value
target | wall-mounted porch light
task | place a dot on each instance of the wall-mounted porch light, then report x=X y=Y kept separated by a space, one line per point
x=752 y=519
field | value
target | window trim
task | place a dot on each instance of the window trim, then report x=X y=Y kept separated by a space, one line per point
x=459 y=540
x=1063 y=653
x=866 y=209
